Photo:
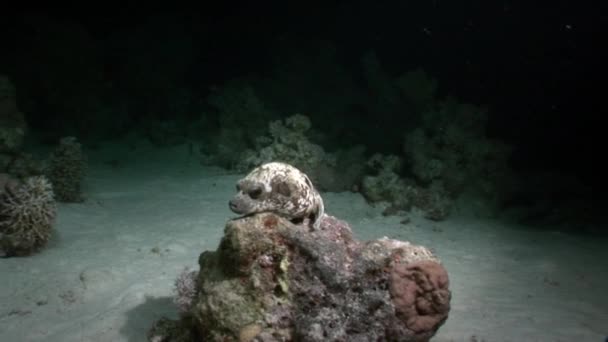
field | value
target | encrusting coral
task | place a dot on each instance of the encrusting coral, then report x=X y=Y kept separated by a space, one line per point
x=452 y=146
x=287 y=142
x=272 y=280
x=185 y=290
x=241 y=115
x=403 y=194
x=27 y=215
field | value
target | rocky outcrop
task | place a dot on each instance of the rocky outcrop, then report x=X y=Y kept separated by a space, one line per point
x=272 y=280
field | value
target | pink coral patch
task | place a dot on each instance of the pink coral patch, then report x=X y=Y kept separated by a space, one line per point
x=420 y=294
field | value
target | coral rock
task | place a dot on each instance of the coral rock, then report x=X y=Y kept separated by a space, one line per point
x=420 y=294
x=27 y=215
x=272 y=280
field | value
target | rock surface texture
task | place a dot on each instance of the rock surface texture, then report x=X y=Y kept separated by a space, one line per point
x=272 y=280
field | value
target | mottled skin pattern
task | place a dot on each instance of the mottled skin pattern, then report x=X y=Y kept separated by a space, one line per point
x=281 y=189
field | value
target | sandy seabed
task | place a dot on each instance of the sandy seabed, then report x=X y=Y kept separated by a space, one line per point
x=108 y=273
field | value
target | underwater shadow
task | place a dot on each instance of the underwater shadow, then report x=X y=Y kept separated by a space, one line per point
x=142 y=317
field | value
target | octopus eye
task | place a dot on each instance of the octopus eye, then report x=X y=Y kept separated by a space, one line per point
x=255 y=193
x=238 y=187
x=283 y=189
